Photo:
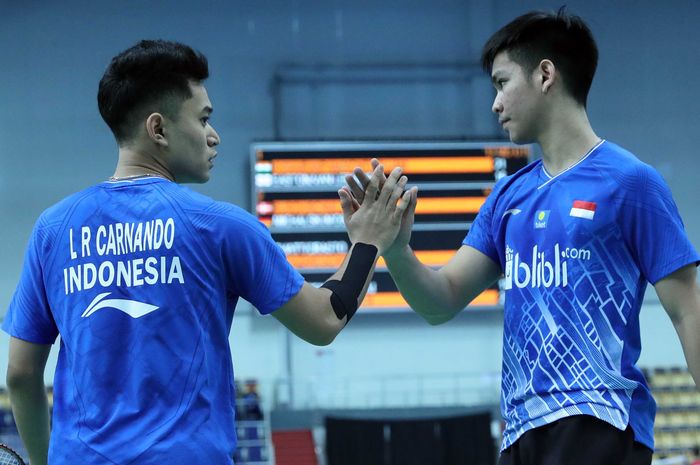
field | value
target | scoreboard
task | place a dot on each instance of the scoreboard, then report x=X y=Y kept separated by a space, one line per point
x=295 y=188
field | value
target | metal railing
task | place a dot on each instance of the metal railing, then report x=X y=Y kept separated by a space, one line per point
x=397 y=391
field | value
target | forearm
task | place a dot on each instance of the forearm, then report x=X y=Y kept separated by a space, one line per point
x=688 y=328
x=426 y=290
x=31 y=411
x=348 y=287
x=317 y=315
x=680 y=296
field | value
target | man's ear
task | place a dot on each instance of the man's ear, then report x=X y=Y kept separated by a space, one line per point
x=154 y=129
x=547 y=74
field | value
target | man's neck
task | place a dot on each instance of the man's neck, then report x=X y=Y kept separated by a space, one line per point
x=133 y=163
x=568 y=139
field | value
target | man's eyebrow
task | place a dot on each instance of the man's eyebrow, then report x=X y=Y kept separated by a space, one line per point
x=208 y=110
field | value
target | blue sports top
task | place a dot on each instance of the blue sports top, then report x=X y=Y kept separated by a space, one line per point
x=577 y=251
x=140 y=278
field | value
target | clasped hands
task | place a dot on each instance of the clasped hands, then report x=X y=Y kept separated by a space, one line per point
x=377 y=209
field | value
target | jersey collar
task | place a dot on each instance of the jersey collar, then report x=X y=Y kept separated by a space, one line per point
x=551 y=178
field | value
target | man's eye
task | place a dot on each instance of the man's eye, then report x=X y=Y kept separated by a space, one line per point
x=204 y=120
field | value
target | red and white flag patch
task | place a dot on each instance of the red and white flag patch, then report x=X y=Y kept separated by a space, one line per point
x=582 y=209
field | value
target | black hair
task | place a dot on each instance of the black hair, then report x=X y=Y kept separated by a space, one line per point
x=152 y=76
x=564 y=39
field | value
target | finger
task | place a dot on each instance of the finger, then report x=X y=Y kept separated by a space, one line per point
x=414 y=202
x=373 y=186
x=356 y=189
x=354 y=202
x=389 y=185
x=406 y=206
x=382 y=179
x=345 y=204
x=398 y=191
x=362 y=177
x=401 y=207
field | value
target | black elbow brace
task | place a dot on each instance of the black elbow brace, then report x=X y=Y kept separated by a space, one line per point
x=347 y=290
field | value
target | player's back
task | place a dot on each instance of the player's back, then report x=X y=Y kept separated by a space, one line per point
x=136 y=287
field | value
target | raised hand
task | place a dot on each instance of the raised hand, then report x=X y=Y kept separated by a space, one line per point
x=378 y=219
x=358 y=189
x=358 y=186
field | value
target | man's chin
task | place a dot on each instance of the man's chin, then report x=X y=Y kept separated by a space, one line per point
x=519 y=139
x=201 y=179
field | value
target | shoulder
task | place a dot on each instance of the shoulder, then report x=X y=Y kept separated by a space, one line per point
x=63 y=206
x=54 y=216
x=633 y=182
x=625 y=169
x=212 y=214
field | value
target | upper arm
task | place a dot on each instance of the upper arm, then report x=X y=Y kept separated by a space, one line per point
x=310 y=316
x=256 y=267
x=27 y=360
x=679 y=293
x=469 y=272
x=29 y=314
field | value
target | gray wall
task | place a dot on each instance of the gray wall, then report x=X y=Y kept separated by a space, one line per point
x=53 y=142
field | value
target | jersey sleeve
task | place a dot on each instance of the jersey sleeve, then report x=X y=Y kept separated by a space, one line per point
x=480 y=235
x=258 y=268
x=29 y=315
x=652 y=226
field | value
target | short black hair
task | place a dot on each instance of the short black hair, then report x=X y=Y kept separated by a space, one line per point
x=564 y=39
x=152 y=76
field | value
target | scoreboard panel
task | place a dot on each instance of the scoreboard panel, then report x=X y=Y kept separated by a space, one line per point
x=295 y=188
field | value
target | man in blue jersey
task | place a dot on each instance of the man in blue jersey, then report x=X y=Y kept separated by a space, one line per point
x=140 y=277
x=576 y=236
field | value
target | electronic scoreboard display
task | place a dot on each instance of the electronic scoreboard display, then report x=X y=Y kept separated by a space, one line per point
x=295 y=188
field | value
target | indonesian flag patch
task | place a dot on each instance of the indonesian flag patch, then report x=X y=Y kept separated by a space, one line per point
x=582 y=209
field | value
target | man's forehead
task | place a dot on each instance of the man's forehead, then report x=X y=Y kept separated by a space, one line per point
x=501 y=62
x=198 y=90
x=199 y=99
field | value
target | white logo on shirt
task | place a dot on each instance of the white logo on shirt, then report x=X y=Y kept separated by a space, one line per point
x=512 y=211
x=540 y=272
x=132 y=308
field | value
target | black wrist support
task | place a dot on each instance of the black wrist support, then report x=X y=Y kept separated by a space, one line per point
x=347 y=290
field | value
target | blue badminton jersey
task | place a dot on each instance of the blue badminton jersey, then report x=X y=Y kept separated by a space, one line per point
x=140 y=278
x=577 y=251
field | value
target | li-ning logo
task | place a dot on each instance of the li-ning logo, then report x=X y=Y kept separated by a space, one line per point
x=538 y=271
x=512 y=211
x=133 y=308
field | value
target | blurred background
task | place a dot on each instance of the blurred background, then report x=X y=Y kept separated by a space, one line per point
x=346 y=70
